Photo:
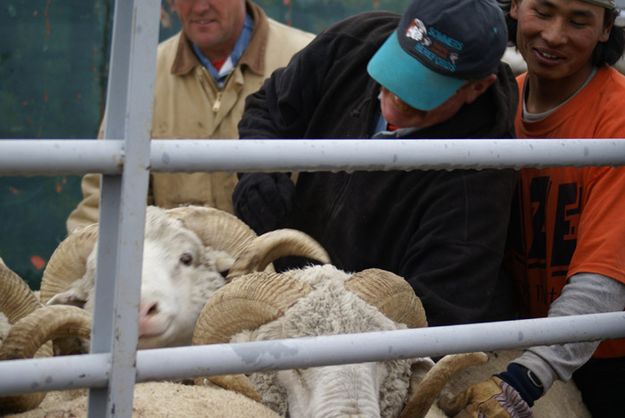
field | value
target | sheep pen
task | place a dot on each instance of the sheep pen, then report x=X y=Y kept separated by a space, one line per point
x=318 y=300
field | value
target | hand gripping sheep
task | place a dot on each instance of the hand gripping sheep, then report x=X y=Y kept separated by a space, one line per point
x=322 y=300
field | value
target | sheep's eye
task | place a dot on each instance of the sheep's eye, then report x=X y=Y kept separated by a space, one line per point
x=186 y=259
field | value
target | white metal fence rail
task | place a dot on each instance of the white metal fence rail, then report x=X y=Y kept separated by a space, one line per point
x=125 y=159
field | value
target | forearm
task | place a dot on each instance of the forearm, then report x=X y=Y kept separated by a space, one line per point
x=585 y=293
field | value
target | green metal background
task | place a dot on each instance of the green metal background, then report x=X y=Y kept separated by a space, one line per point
x=53 y=71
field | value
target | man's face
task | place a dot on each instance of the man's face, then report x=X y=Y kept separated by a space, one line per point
x=213 y=25
x=557 y=37
x=400 y=114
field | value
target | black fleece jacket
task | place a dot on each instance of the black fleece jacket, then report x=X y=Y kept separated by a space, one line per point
x=443 y=231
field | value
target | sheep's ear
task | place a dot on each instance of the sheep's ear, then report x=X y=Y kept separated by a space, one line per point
x=418 y=370
x=223 y=261
x=420 y=367
x=69 y=297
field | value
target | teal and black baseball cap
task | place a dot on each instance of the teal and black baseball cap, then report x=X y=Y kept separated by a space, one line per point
x=438 y=46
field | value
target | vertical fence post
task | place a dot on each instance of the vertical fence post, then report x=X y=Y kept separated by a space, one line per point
x=123 y=202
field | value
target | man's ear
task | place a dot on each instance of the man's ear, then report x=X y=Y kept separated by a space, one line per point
x=514 y=10
x=475 y=88
x=605 y=33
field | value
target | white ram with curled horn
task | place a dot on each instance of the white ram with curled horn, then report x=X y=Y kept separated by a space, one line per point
x=258 y=305
x=187 y=253
x=321 y=300
x=30 y=328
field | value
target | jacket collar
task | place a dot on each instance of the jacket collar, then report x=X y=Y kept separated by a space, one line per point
x=253 y=57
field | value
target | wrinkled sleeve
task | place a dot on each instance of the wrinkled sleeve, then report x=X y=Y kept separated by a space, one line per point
x=283 y=106
x=281 y=109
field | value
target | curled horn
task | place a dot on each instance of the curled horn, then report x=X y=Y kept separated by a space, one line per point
x=245 y=305
x=47 y=323
x=270 y=246
x=68 y=262
x=29 y=334
x=423 y=395
x=16 y=302
x=217 y=229
x=390 y=294
x=32 y=326
x=16 y=298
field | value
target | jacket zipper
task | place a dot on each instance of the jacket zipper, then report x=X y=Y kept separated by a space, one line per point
x=208 y=87
x=217 y=104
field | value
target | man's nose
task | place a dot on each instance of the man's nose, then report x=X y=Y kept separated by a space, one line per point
x=555 y=33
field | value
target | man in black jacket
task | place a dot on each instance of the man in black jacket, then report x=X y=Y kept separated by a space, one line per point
x=433 y=73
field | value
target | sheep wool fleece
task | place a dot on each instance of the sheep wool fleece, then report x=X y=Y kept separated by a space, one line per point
x=189 y=105
x=444 y=231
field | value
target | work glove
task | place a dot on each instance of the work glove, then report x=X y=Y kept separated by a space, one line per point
x=497 y=397
x=263 y=200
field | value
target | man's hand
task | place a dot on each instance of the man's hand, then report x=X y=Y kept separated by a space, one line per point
x=492 y=398
x=263 y=200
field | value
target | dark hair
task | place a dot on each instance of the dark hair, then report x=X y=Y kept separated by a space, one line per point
x=605 y=53
x=610 y=51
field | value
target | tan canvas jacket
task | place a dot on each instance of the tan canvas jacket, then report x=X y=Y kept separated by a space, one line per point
x=188 y=104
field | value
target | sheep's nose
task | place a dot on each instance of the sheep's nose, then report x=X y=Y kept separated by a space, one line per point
x=147 y=312
x=148 y=309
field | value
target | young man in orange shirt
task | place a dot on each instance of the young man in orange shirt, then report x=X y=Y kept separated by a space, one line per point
x=569 y=257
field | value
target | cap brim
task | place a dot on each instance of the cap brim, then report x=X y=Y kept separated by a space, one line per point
x=406 y=77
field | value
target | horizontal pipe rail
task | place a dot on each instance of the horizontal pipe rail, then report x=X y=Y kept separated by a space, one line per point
x=371 y=155
x=67 y=156
x=18 y=157
x=54 y=373
x=19 y=376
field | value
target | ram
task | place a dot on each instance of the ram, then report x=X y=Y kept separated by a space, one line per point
x=32 y=324
x=186 y=253
x=323 y=300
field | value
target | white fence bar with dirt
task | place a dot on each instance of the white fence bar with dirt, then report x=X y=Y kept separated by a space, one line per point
x=22 y=157
x=91 y=370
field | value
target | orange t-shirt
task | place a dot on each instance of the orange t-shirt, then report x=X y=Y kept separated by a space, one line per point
x=573 y=217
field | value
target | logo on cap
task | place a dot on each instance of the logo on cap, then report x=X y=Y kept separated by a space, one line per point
x=433 y=45
x=417 y=31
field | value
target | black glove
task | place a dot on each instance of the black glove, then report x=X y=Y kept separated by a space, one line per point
x=524 y=381
x=263 y=200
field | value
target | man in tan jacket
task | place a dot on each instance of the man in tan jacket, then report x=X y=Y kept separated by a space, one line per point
x=223 y=53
